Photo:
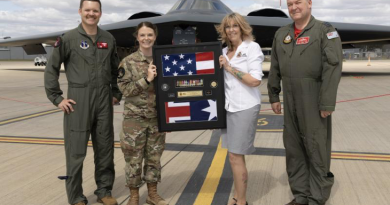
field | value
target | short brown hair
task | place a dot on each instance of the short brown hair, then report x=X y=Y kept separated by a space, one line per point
x=146 y=24
x=246 y=29
x=82 y=1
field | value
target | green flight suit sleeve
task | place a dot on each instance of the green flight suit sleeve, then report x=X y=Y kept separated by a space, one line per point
x=332 y=62
x=130 y=84
x=274 y=77
x=52 y=72
x=114 y=74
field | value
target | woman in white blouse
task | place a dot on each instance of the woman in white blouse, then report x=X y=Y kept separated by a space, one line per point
x=241 y=60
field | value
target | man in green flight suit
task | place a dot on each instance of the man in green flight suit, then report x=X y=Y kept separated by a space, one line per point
x=91 y=62
x=307 y=57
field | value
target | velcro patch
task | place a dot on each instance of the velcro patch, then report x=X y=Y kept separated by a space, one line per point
x=102 y=45
x=332 y=35
x=121 y=72
x=57 y=43
x=303 y=40
x=327 y=24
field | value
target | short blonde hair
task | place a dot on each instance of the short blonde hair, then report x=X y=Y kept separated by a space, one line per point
x=246 y=29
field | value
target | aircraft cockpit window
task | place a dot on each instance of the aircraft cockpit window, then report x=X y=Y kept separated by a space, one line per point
x=219 y=7
x=204 y=5
x=177 y=4
x=185 y=5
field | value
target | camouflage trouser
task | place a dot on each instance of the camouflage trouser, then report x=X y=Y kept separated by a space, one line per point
x=140 y=140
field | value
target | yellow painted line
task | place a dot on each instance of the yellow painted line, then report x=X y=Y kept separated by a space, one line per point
x=363 y=158
x=30 y=138
x=338 y=155
x=356 y=154
x=29 y=142
x=210 y=184
x=29 y=116
x=217 y=165
x=46 y=141
x=270 y=130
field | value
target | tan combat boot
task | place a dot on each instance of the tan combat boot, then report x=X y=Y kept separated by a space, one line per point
x=153 y=197
x=108 y=200
x=134 y=196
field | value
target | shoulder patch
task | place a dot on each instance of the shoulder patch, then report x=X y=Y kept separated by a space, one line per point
x=327 y=24
x=121 y=72
x=332 y=35
x=58 y=42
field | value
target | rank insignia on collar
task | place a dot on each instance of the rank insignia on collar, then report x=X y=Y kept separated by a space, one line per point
x=102 y=45
x=287 y=40
x=84 y=45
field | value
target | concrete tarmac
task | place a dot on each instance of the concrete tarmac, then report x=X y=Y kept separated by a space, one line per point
x=195 y=169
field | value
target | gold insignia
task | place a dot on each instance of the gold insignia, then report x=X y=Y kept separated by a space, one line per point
x=287 y=40
x=214 y=84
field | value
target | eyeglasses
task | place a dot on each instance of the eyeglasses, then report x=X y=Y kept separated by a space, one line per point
x=234 y=26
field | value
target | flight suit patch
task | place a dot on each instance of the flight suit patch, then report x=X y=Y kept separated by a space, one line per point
x=287 y=40
x=84 y=45
x=303 y=40
x=102 y=45
x=332 y=35
x=58 y=43
x=121 y=72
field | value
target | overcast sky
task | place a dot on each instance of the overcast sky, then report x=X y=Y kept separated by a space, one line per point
x=28 y=17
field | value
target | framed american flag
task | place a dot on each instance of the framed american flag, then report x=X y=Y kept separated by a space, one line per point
x=189 y=87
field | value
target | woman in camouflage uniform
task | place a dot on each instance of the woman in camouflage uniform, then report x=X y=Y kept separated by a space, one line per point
x=140 y=139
